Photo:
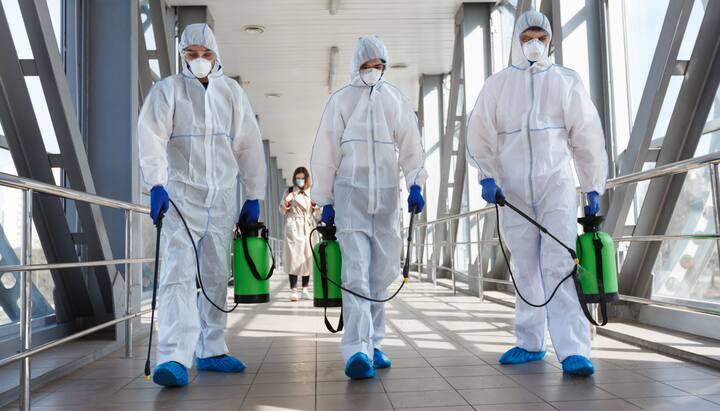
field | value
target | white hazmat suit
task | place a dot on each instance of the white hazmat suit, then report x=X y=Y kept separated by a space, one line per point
x=196 y=143
x=528 y=125
x=366 y=136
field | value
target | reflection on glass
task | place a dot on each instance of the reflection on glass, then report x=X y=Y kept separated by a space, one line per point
x=688 y=268
x=11 y=218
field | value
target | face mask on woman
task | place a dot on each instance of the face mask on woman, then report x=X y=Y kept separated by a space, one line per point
x=300 y=182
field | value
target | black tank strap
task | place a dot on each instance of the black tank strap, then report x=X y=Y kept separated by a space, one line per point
x=325 y=289
x=251 y=263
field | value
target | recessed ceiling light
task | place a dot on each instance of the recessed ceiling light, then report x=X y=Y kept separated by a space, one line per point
x=254 y=29
x=272 y=95
x=399 y=66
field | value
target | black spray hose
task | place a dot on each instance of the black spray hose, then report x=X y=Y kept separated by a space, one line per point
x=197 y=262
x=155 y=280
x=405 y=272
x=154 y=295
x=501 y=201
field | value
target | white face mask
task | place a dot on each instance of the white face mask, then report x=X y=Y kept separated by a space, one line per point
x=300 y=182
x=200 y=67
x=533 y=50
x=371 y=76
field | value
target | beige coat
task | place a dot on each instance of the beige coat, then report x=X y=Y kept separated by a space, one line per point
x=300 y=219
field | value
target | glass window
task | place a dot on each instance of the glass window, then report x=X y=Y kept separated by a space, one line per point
x=17 y=28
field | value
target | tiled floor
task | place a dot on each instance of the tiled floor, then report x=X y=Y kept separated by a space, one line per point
x=444 y=350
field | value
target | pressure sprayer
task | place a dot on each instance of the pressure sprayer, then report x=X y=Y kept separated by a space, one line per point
x=251 y=249
x=594 y=261
x=327 y=272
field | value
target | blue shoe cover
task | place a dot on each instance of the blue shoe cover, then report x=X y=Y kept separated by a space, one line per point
x=170 y=374
x=517 y=355
x=221 y=363
x=380 y=359
x=359 y=367
x=578 y=365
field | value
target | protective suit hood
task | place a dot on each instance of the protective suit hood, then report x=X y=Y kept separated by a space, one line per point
x=200 y=34
x=367 y=48
x=530 y=18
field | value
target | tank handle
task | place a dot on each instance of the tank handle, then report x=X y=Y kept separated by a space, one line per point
x=249 y=260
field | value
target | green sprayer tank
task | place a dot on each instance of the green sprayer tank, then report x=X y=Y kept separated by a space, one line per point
x=327 y=265
x=597 y=272
x=253 y=264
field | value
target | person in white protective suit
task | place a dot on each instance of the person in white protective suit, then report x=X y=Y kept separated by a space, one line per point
x=197 y=134
x=368 y=133
x=530 y=122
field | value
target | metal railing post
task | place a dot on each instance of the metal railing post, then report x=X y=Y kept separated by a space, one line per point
x=128 y=285
x=451 y=242
x=481 y=273
x=26 y=299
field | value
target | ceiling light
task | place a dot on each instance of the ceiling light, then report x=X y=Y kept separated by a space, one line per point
x=272 y=95
x=254 y=29
x=399 y=66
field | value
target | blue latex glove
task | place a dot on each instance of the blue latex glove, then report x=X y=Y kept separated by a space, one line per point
x=491 y=192
x=250 y=213
x=593 y=204
x=159 y=203
x=416 y=201
x=328 y=215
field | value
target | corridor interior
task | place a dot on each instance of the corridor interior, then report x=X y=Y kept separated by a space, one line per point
x=444 y=349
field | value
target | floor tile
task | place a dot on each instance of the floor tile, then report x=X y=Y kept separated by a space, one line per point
x=595 y=405
x=570 y=392
x=415 y=385
x=698 y=387
x=481 y=381
x=675 y=403
x=426 y=399
x=676 y=374
x=466 y=371
x=452 y=408
x=298 y=403
x=535 y=406
x=641 y=389
x=349 y=387
x=489 y=396
x=407 y=373
x=353 y=402
x=286 y=389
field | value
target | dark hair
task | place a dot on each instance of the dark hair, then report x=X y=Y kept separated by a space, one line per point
x=308 y=183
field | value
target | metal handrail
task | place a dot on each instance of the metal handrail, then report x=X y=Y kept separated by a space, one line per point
x=662 y=171
x=29 y=187
x=26 y=354
x=60 y=266
x=22 y=183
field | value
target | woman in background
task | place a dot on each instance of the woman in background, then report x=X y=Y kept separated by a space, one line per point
x=300 y=213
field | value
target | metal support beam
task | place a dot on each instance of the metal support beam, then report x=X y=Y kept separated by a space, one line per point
x=30 y=158
x=164 y=46
x=38 y=24
x=471 y=55
x=430 y=115
x=145 y=78
x=668 y=45
x=696 y=97
x=111 y=104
